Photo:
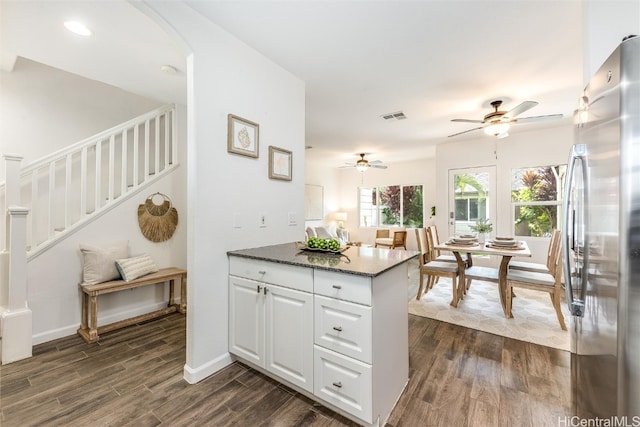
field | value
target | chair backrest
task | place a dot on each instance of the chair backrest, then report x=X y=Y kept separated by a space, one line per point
x=435 y=240
x=433 y=253
x=382 y=233
x=399 y=238
x=554 y=248
x=556 y=263
x=423 y=246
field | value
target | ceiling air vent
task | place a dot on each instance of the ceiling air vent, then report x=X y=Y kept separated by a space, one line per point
x=398 y=115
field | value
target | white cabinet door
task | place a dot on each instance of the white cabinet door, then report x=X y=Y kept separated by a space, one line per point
x=289 y=335
x=246 y=319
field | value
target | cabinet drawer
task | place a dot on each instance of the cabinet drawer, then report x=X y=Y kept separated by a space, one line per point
x=289 y=276
x=343 y=382
x=343 y=327
x=343 y=286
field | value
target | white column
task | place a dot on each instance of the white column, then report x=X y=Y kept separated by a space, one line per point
x=17 y=317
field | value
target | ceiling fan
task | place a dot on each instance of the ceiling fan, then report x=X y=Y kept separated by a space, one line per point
x=497 y=122
x=363 y=164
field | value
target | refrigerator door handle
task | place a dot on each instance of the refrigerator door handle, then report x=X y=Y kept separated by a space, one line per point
x=576 y=306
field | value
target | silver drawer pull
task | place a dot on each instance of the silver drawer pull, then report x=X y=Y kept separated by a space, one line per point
x=337 y=287
x=337 y=328
x=266 y=290
x=338 y=384
x=259 y=288
x=262 y=272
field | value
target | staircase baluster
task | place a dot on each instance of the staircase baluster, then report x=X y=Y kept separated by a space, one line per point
x=98 y=172
x=67 y=191
x=35 y=229
x=174 y=137
x=157 y=146
x=83 y=182
x=136 y=135
x=112 y=156
x=146 y=151
x=166 y=141
x=124 y=164
x=51 y=207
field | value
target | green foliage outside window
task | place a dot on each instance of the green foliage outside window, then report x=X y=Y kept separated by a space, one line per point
x=398 y=206
x=535 y=194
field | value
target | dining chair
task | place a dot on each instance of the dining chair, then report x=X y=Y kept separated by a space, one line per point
x=434 y=269
x=538 y=281
x=437 y=255
x=398 y=240
x=554 y=246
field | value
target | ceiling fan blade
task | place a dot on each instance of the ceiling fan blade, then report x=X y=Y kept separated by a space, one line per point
x=519 y=109
x=467 y=121
x=378 y=166
x=347 y=166
x=537 y=118
x=468 y=130
x=375 y=162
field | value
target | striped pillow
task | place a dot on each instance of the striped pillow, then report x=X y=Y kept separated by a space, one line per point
x=132 y=268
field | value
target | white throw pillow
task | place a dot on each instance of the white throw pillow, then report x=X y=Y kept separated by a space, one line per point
x=323 y=233
x=99 y=263
x=311 y=232
x=132 y=268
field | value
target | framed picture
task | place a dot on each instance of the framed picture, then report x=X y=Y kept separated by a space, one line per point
x=242 y=136
x=313 y=202
x=280 y=162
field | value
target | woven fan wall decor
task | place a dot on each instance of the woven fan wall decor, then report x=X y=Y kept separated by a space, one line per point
x=157 y=222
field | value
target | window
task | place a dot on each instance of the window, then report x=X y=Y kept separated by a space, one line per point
x=393 y=205
x=536 y=198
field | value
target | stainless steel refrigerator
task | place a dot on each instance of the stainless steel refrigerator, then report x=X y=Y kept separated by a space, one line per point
x=601 y=241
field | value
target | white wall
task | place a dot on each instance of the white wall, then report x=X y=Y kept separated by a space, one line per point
x=44 y=109
x=226 y=76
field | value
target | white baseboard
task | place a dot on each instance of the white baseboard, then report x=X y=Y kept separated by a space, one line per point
x=194 y=375
x=102 y=320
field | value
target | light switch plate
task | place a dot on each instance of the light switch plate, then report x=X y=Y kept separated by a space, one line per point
x=292 y=218
x=262 y=219
x=237 y=220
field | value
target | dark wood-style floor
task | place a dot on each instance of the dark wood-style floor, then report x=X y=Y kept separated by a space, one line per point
x=458 y=377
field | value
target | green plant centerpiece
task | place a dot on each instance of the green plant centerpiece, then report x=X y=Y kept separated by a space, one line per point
x=483 y=227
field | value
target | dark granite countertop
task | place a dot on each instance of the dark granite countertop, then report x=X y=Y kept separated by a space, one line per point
x=362 y=261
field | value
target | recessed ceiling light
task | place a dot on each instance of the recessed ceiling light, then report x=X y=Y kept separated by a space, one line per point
x=77 y=28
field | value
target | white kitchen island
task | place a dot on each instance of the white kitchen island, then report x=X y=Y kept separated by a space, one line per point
x=333 y=327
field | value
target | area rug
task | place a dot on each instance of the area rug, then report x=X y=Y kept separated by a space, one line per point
x=534 y=319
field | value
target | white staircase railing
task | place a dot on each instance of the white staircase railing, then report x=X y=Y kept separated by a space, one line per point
x=72 y=186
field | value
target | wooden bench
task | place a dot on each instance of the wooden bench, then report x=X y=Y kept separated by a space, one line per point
x=89 y=328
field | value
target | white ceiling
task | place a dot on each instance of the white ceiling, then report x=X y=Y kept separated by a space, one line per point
x=433 y=60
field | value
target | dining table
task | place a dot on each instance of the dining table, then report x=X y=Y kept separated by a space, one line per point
x=484 y=248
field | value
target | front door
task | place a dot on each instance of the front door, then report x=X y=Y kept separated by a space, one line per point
x=471 y=197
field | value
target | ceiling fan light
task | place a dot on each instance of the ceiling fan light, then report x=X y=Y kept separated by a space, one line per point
x=500 y=130
x=361 y=165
